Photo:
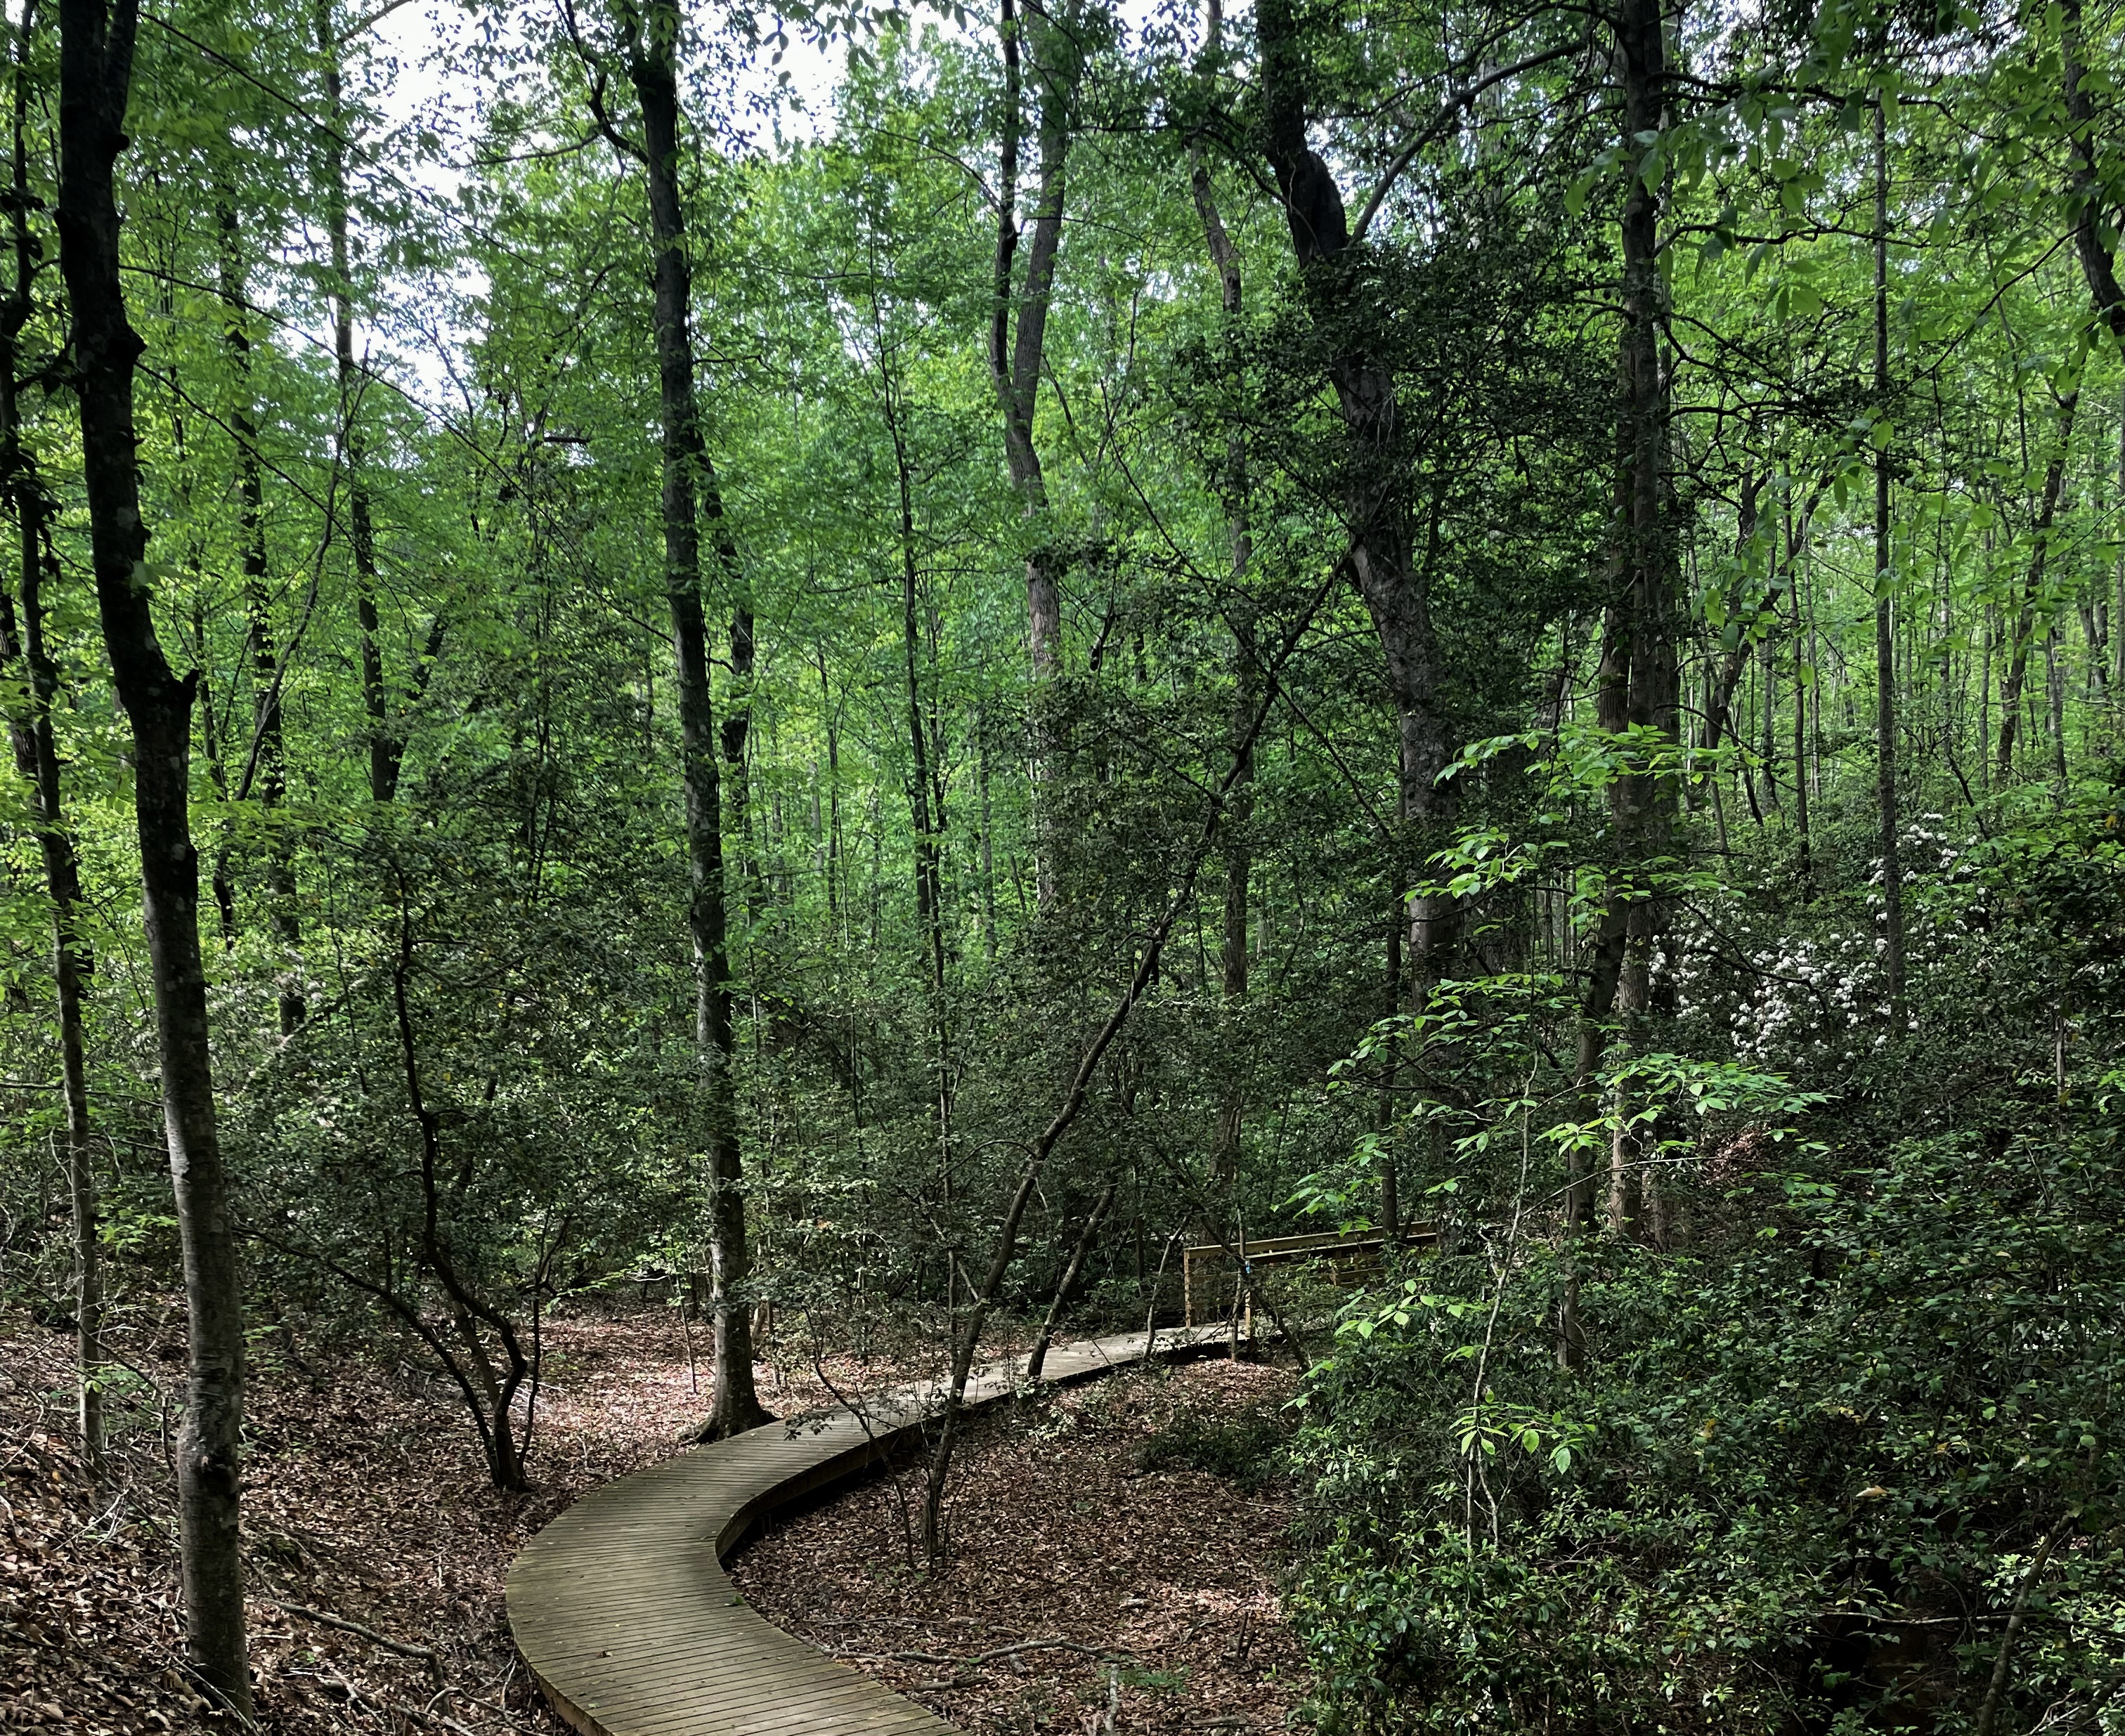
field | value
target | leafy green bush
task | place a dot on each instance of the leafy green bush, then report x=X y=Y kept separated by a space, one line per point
x=1246 y=1448
x=1805 y=1486
x=1770 y=1435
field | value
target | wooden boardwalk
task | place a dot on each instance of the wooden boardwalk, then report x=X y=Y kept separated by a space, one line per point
x=623 y=1611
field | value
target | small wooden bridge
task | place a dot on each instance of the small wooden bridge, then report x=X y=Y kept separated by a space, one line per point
x=623 y=1611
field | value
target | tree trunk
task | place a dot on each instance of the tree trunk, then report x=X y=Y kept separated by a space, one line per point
x=2093 y=217
x=1225 y=1150
x=1803 y=836
x=2033 y=585
x=1885 y=644
x=925 y=800
x=383 y=751
x=987 y=840
x=1014 y=365
x=652 y=68
x=1393 y=578
x=1635 y=684
x=1390 y=1168
x=387 y=741
x=491 y=1398
x=265 y=774
x=966 y=1336
x=1719 y=702
x=36 y=758
x=737 y=732
x=95 y=73
x=1038 y=1359
x=2055 y=684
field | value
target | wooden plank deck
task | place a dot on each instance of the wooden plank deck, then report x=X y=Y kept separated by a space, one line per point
x=623 y=1611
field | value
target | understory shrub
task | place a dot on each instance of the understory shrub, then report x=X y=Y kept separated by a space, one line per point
x=1803 y=1485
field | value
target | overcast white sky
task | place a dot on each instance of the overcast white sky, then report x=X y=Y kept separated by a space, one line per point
x=420 y=41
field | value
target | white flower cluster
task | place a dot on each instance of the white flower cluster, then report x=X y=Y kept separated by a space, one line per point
x=1810 y=998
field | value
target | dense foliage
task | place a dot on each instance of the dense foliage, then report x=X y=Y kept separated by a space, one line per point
x=1082 y=632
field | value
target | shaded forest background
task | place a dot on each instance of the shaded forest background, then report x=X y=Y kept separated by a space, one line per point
x=1504 y=625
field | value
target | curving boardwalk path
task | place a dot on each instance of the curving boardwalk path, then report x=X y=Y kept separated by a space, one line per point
x=623 y=1611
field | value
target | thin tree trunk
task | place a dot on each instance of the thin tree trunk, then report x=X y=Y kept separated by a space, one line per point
x=1078 y=1255
x=968 y=1336
x=1767 y=687
x=1803 y=835
x=1985 y=698
x=491 y=1398
x=96 y=75
x=265 y=774
x=652 y=69
x=385 y=750
x=2054 y=683
x=36 y=758
x=974 y=1318
x=1885 y=644
x=929 y=880
x=1389 y=1169
x=2025 y=629
x=833 y=799
x=1225 y=1149
x=736 y=729
x=1015 y=358
x=987 y=841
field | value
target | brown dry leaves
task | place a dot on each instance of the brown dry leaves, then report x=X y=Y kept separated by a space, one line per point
x=365 y=1498
x=1165 y=1581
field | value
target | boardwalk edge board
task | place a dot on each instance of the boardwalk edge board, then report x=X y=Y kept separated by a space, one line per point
x=641 y=1559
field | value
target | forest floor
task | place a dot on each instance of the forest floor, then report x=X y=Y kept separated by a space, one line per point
x=366 y=1501
x=1138 y=1520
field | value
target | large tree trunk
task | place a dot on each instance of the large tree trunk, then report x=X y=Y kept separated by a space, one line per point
x=1392 y=575
x=652 y=68
x=36 y=758
x=95 y=76
x=1636 y=682
x=2093 y=215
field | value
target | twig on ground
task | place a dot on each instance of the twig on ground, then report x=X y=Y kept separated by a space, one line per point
x=434 y=1717
x=1036 y=1645
x=426 y=1655
x=507 y=1717
x=1104 y=1653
